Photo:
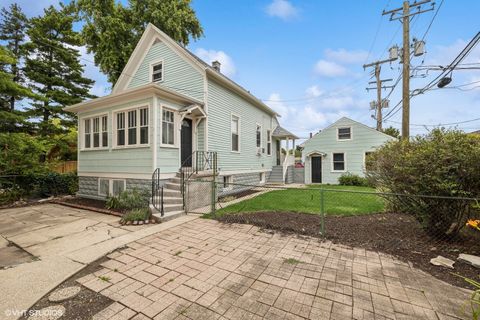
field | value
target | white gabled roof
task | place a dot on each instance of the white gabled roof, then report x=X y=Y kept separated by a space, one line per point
x=150 y=35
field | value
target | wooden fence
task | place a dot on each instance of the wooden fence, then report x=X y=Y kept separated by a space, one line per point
x=65 y=167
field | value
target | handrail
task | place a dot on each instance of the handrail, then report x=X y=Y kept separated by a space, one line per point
x=157 y=192
x=287 y=161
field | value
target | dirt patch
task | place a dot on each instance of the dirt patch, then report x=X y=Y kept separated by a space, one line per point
x=396 y=234
x=84 y=305
x=88 y=204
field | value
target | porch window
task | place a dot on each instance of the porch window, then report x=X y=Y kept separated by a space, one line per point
x=144 y=126
x=96 y=132
x=157 y=72
x=132 y=127
x=168 y=127
x=104 y=137
x=269 y=142
x=88 y=134
x=235 y=134
x=344 y=133
x=120 y=129
x=339 y=162
x=259 y=136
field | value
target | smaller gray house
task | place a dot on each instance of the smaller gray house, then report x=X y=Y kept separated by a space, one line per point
x=338 y=149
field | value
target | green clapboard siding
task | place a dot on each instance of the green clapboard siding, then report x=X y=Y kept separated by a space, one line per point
x=127 y=160
x=364 y=139
x=222 y=103
x=179 y=75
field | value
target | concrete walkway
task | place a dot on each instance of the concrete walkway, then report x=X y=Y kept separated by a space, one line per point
x=41 y=246
x=204 y=269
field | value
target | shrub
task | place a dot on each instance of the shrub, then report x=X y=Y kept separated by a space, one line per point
x=139 y=214
x=128 y=200
x=54 y=184
x=350 y=179
x=10 y=195
x=441 y=163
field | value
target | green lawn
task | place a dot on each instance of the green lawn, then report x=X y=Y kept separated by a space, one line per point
x=336 y=201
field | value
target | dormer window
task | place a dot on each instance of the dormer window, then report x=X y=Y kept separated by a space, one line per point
x=157 y=72
x=344 y=133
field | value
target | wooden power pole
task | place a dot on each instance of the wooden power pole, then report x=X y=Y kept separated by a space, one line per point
x=405 y=17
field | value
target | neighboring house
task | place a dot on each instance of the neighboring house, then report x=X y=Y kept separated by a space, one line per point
x=338 y=149
x=170 y=110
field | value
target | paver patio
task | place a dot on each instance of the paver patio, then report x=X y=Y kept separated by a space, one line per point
x=204 y=269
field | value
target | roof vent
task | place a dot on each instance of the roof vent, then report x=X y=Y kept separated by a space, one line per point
x=216 y=65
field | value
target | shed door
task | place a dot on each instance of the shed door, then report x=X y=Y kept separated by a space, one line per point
x=186 y=142
x=316 y=169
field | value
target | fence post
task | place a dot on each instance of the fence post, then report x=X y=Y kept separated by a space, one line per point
x=322 y=211
x=214 y=198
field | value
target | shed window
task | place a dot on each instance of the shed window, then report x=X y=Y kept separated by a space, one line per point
x=132 y=127
x=144 y=126
x=95 y=132
x=259 y=136
x=121 y=129
x=88 y=134
x=235 y=134
x=157 y=72
x=104 y=131
x=269 y=142
x=168 y=127
x=344 y=133
x=338 y=162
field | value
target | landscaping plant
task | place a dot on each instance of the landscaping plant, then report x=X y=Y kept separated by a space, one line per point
x=139 y=214
x=350 y=179
x=128 y=200
x=443 y=163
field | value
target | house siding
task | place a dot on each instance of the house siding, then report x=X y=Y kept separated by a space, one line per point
x=112 y=160
x=222 y=104
x=363 y=140
x=178 y=74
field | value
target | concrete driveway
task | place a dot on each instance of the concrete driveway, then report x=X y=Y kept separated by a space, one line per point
x=41 y=246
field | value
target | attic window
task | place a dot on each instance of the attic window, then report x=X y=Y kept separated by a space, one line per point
x=157 y=72
x=344 y=133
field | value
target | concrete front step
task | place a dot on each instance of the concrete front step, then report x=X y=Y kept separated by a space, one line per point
x=172 y=193
x=173 y=186
x=170 y=200
x=167 y=215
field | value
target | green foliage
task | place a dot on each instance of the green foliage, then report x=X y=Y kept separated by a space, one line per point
x=391 y=131
x=53 y=68
x=54 y=184
x=128 y=200
x=350 y=179
x=442 y=163
x=21 y=154
x=111 y=30
x=10 y=194
x=139 y=214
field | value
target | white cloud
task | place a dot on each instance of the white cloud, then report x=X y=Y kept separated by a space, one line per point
x=313 y=91
x=227 y=65
x=329 y=69
x=281 y=9
x=345 y=56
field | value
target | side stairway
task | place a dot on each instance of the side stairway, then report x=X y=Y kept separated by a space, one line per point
x=276 y=176
x=172 y=200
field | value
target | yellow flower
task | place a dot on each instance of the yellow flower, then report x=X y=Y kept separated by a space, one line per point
x=474 y=224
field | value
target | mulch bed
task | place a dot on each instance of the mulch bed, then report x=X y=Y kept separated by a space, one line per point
x=83 y=306
x=397 y=234
x=234 y=196
x=88 y=204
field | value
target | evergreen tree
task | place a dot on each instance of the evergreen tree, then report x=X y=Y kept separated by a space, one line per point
x=53 y=68
x=111 y=30
x=12 y=33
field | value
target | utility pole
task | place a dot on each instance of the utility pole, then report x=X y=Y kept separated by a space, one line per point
x=379 y=104
x=405 y=16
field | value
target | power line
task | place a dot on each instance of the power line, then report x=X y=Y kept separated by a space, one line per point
x=440 y=124
x=433 y=19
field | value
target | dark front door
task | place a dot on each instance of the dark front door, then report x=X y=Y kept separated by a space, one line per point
x=278 y=152
x=316 y=169
x=186 y=143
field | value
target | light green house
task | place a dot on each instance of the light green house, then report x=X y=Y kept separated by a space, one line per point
x=338 y=149
x=167 y=111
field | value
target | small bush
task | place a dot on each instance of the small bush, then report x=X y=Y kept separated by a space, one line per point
x=139 y=214
x=350 y=179
x=10 y=195
x=128 y=200
x=54 y=184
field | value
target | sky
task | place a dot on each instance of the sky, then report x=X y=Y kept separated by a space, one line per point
x=304 y=58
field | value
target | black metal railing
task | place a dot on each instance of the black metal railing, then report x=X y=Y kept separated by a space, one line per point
x=157 y=192
x=197 y=162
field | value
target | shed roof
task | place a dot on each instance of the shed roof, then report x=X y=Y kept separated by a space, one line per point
x=280 y=132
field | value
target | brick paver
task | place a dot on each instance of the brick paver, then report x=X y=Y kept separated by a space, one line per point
x=208 y=270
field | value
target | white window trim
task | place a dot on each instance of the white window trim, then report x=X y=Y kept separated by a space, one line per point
x=114 y=127
x=351 y=133
x=229 y=183
x=110 y=185
x=269 y=135
x=239 y=134
x=82 y=132
x=176 y=129
x=345 y=168
x=261 y=136
x=153 y=63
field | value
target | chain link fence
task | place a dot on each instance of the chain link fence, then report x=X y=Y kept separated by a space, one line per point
x=415 y=228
